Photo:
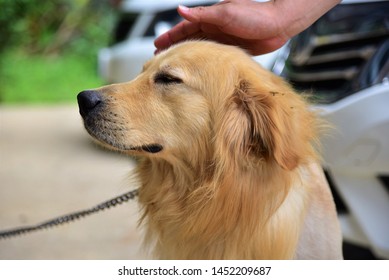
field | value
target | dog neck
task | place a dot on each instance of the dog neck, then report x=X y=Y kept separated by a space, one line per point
x=218 y=214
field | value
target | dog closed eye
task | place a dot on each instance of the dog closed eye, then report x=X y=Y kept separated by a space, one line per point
x=166 y=79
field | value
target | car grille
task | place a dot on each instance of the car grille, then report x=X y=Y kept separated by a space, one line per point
x=328 y=59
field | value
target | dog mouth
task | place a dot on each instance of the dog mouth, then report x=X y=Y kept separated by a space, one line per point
x=152 y=148
x=113 y=143
x=111 y=138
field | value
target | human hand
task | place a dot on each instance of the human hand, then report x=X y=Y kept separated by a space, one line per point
x=258 y=27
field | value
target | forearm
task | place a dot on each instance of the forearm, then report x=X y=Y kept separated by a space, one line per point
x=297 y=15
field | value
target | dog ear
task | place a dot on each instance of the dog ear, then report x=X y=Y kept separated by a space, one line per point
x=269 y=125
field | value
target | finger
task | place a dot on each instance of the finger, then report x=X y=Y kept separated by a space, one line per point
x=163 y=41
x=183 y=30
x=160 y=47
x=210 y=19
x=186 y=28
x=230 y=18
x=210 y=14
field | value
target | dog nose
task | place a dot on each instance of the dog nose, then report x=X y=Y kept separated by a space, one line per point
x=88 y=100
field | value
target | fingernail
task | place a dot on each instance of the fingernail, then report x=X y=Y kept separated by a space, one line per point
x=183 y=8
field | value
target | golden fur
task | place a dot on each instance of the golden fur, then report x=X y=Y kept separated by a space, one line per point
x=234 y=174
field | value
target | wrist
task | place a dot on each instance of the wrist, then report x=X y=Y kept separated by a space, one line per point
x=295 y=16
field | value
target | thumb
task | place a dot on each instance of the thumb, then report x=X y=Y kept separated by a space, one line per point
x=208 y=14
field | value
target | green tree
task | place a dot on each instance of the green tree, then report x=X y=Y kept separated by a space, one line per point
x=51 y=26
x=54 y=27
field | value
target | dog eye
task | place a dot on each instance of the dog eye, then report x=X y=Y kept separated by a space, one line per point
x=164 y=78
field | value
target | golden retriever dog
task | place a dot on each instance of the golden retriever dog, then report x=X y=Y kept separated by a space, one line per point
x=227 y=163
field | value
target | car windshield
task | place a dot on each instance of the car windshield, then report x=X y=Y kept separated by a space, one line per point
x=123 y=26
x=162 y=22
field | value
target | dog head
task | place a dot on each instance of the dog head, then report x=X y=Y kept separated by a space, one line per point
x=202 y=96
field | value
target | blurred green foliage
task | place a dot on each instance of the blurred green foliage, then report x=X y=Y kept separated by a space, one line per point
x=54 y=26
x=46 y=79
x=48 y=42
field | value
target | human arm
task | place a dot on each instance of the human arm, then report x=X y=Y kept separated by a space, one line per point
x=259 y=27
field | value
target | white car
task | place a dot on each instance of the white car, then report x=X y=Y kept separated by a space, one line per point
x=343 y=59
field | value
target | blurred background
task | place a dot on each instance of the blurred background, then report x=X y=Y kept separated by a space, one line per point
x=51 y=50
x=48 y=49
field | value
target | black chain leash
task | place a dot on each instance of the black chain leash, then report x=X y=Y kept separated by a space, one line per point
x=70 y=217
